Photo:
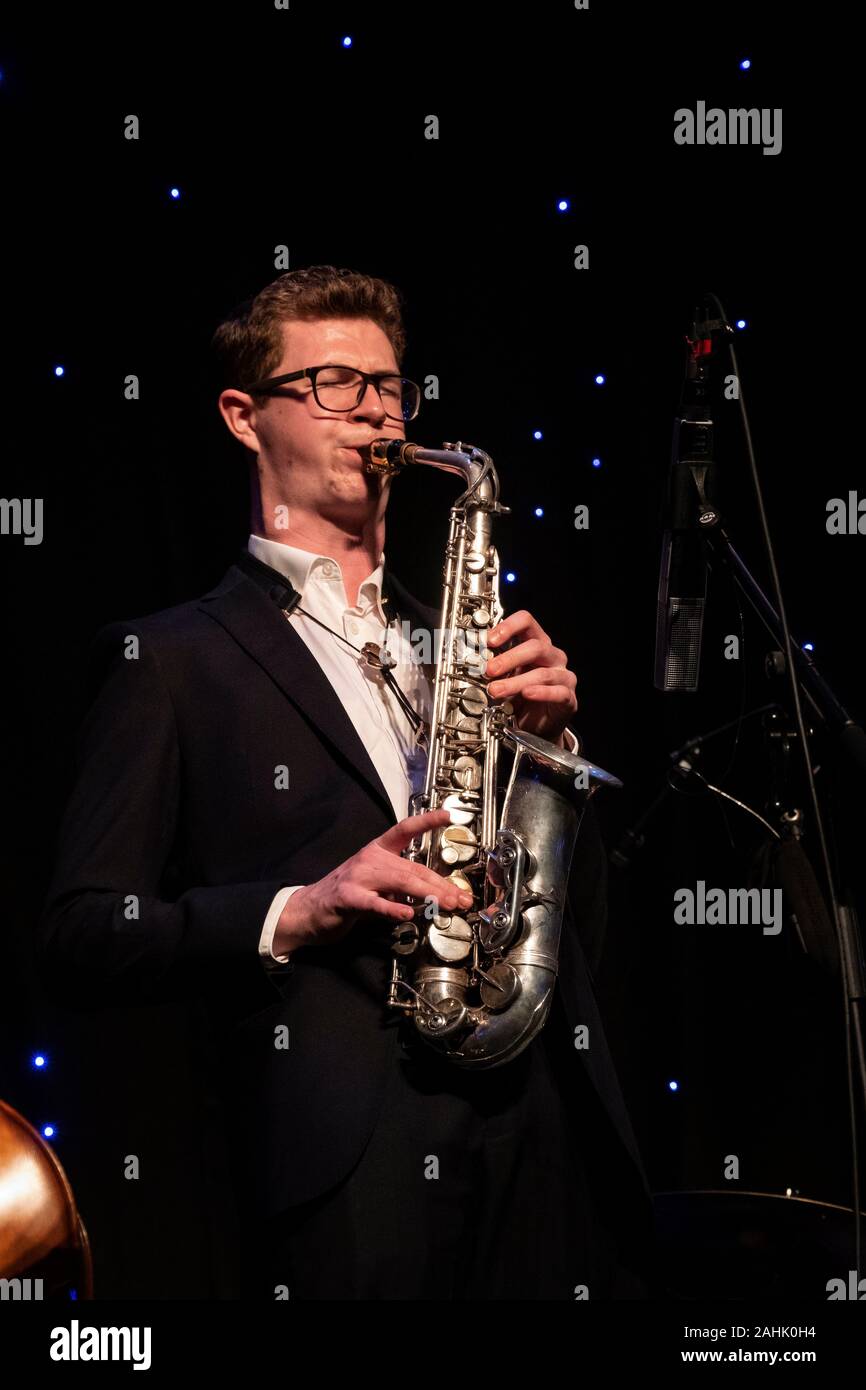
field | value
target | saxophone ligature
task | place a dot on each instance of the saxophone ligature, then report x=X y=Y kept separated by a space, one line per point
x=479 y=983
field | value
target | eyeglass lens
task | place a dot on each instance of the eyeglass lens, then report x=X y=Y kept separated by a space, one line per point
x=337 y=388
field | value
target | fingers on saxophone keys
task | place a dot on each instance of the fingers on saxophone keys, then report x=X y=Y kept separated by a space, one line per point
x=448 y=896
x=424 y=883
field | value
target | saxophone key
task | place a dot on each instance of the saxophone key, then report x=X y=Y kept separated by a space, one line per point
x=472 y=660
x=461 y=810
x=457 y=844
x=447 y=1016
x=467 y=728
x=450 y=937
x=500 y=986
x=404 y=938
x=467 y=773
x=473 y=701
x=463 y=883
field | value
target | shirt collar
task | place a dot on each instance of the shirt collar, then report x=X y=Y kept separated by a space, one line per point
x=297 y=564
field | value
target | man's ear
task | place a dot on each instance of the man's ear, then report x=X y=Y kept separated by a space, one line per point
x=239 y=411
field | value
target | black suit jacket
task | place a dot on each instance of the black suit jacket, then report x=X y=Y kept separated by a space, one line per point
x=176 y=838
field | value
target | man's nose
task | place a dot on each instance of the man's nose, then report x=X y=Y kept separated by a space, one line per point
x=370 y=406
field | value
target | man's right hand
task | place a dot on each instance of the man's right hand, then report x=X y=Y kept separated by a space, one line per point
x=323 y=912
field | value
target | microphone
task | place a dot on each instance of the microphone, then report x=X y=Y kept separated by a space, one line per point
x=689 y=513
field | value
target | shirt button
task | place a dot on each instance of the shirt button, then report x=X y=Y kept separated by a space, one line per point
x=328 y=569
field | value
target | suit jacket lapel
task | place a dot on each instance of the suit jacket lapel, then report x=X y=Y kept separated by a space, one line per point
x=242 y=604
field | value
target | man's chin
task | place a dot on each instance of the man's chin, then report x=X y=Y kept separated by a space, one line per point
x=356 y=495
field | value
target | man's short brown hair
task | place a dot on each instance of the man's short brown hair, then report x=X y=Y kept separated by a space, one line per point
x=248 y=345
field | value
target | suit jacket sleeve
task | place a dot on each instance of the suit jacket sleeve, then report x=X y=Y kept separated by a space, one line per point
x=586 y=909
x=111 y=930
x=587 y=888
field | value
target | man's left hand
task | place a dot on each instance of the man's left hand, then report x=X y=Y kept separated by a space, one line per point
x=533 y=674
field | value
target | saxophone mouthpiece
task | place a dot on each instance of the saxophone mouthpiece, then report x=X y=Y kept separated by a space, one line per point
x=387 y=455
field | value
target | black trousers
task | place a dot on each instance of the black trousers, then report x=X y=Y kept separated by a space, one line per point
x=472 y=1186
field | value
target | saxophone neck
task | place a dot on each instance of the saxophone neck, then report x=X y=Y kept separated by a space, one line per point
x=474 y=465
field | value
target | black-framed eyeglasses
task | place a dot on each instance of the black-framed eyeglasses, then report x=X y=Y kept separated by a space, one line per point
x=337 y=387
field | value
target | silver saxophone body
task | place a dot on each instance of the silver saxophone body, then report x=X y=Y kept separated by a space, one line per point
x=479 y=983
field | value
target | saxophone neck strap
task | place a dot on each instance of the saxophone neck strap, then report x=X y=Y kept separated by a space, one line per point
x=378 y=658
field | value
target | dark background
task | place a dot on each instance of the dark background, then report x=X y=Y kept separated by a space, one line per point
x=275 y=134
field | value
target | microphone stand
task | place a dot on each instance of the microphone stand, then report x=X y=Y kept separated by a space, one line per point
x=825 y=705
x=803 y=677
x=851 y=740
x=683 y=768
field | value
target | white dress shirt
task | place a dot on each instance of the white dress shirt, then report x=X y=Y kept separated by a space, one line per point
x=376 y=714
x=381 y=723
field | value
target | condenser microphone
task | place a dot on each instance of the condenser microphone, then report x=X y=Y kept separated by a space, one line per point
x=689 y=513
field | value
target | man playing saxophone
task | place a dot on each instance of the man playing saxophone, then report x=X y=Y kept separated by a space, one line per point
x=272 y=771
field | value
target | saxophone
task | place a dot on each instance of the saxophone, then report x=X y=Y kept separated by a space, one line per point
x=479 y=983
